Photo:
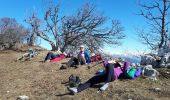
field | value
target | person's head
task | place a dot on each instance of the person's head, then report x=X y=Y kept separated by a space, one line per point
x=82 y=48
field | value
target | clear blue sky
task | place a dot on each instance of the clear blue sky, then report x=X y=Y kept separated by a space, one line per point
x=123 y=10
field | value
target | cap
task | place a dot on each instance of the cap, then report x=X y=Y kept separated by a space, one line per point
x=82 y=46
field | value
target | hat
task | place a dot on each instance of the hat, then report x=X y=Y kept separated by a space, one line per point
x=81 y=46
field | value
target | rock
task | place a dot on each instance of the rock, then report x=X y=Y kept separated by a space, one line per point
x=150 y=73
x=147 y=60
x=163 y=65
x=23 y=97
x=167 y=65
x=166 y=58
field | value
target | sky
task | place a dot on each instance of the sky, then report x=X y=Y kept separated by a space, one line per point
x=124 y=10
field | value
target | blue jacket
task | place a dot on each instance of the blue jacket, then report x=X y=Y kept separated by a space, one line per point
x=87 y=56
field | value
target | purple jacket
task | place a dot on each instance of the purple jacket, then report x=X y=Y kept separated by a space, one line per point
x=118 y=71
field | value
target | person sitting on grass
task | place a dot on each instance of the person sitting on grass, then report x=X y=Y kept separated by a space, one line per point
x=51 y=56
x=82 y=58
x=112 y=72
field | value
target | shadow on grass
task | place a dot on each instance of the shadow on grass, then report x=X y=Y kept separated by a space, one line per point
x=64 y=94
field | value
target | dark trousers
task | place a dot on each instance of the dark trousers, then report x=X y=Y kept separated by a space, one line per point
x=75 y=61
x=50 y=56
x=107 y=77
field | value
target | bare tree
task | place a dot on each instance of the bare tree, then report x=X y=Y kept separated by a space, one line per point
x=156 y=13
x=87 y=27
x=31 y=38
x=11 y=32
x=51 y=31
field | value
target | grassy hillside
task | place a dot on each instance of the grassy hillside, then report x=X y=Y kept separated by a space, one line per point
x=42 y=81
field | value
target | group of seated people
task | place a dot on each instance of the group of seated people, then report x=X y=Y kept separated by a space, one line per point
x=82 y=58
x=113 y=70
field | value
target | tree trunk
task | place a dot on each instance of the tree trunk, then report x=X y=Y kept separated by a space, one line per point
x=54 y=48
x=163 y=26
x=32 y=39
x=63 y=48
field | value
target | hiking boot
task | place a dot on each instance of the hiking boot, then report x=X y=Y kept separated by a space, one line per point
x=63 y=67
x=73 y=90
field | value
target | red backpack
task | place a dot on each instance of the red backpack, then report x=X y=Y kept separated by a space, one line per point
x=96 y=57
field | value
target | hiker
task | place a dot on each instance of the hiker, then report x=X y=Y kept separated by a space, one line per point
x=82 y=58
x=51 y=56
x=110 y=74
x=28 y=55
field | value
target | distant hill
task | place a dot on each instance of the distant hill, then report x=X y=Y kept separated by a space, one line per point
x=130 y=58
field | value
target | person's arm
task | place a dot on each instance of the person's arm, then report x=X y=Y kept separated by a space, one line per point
x=87 y=57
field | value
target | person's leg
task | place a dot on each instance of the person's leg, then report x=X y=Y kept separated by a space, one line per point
x=109 y=72
x=81 y=59
x=107 y=77
x=25 y=56
x=72 y=61
x=49 y=56
x=94 y=80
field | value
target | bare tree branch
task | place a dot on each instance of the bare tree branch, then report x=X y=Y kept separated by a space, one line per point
x=156 y=14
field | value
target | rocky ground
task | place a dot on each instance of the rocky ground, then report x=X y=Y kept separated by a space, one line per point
x=43 y=81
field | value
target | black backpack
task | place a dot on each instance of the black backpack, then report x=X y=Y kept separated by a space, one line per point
x=74 y=81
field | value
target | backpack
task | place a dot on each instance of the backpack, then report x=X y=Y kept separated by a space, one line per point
x=96 y=57
x=138 y=72
x=74 y=81
x=130 y=73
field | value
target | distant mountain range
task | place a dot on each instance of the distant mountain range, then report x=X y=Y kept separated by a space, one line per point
x=130 y=58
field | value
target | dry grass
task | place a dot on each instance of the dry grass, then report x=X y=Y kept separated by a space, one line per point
x=42 y=81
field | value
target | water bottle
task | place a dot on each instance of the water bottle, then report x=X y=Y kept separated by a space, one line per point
x=104 y=87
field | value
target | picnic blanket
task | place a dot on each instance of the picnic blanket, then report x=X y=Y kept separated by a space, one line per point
x=61 y=57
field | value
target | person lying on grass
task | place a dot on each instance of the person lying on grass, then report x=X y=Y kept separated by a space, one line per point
x=28 y=55
x=82 y=58
x=52 y=55
x=112 y=72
